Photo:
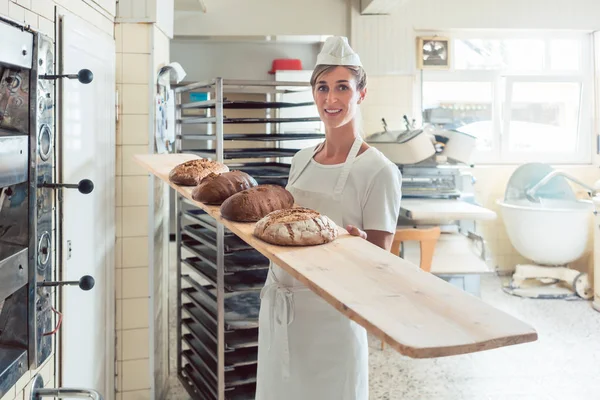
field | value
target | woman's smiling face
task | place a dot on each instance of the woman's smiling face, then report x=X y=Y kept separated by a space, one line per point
x=337 y=97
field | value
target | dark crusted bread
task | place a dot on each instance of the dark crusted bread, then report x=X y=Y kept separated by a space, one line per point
x=296 y=227
x=252 y=204
x=191 y=173
x=216 y=188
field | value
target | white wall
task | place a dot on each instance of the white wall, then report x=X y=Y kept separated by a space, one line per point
x=265 y=17
x=386 y=44
x=504 y=14
x=236 y=60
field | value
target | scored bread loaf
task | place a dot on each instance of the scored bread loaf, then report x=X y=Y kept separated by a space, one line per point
x=296 y=227
x=252 y=204
x=191 y=173
x=216 y=188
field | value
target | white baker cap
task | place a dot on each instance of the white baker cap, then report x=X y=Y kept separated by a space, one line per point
x=337 y=51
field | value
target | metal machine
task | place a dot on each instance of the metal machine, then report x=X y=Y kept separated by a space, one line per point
x=28 y=201
x=438 y=190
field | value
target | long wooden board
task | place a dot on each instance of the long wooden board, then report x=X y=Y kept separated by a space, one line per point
x=414 y=312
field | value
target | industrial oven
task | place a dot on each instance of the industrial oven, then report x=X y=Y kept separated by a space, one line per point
x=28 y=199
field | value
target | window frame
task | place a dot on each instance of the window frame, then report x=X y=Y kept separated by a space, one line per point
x=502 y=81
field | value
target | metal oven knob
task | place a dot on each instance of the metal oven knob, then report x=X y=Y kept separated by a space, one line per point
x=43 y=251
x=86 y=282
x=84 y=76
x=84 y=186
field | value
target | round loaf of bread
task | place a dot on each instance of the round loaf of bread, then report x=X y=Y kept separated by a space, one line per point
x=296 y=227
x=191 y=173
x=252 y=204
x=216 y=188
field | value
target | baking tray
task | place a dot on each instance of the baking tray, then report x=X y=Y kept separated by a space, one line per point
x=255 y=137
x=245 y=105
x=235 y=339
x=233 y=359
x=208 y=237
x=239 y=261
x=192 y=382
x=208 y=368
x=207 y=312
x=199 y=216
x=234 y=282
x=241 y=308
x=199 y=378
x=203 y=120
x=263 y=170
x=239 y=153
x=245 y=392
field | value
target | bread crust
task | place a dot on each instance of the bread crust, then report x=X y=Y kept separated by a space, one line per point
x=296 y=227
x=216 y=188
x=252 y=204
x=193 y=172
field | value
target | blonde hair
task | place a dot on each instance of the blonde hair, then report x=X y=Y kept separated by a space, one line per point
x=361 y=83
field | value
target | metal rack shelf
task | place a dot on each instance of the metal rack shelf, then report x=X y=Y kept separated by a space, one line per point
x=232 y=154
x=256 y=137
x=242 y=105
x=220 y=276
x=210 y=120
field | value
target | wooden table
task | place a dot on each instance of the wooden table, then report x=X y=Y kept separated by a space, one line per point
x=414 y=312
x=443 y=210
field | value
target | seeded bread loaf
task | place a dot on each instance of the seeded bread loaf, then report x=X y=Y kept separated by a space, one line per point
x=216 y=188
x=252 y=204
x=191 y=173
x=296 y=227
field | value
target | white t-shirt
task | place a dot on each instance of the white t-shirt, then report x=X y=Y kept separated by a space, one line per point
x=371 y=197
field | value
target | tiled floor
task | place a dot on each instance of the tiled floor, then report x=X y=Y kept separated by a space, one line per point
x=563 y=364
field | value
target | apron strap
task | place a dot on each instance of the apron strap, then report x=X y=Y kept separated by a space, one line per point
x=341 y=183
x=303 y=166
x=339 y=187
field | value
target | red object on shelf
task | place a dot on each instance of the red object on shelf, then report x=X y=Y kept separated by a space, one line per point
x=281 y=64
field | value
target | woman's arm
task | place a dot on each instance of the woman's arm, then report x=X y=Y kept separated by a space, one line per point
x=382 y=239
x=381 y=208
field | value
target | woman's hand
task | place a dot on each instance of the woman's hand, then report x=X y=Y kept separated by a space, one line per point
x=354 y=231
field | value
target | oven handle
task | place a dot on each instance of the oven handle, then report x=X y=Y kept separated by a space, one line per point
x=64 y=393
x=38 y=391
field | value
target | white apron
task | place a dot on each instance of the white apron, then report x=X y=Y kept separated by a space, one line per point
x=307 y=350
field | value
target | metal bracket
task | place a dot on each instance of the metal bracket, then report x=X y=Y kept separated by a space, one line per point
x=478 y=238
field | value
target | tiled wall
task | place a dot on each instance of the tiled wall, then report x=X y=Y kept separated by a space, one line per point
x=40 y=15
x=391 y=97
x=142 y=49
x=133 y=46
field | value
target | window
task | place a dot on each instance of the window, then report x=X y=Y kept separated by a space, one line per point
x=526 y=98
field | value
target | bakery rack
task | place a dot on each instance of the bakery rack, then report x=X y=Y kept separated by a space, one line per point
x=219 y=275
